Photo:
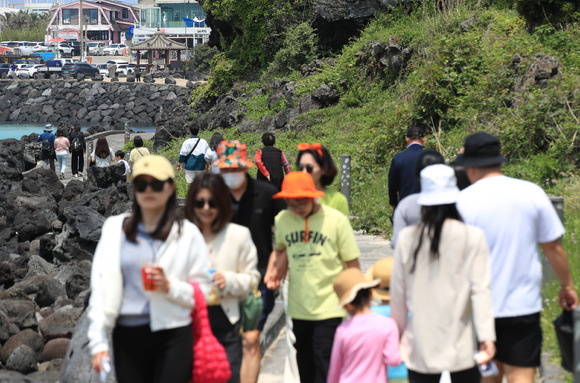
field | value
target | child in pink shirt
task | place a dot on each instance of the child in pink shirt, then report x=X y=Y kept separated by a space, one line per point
x=367 y=342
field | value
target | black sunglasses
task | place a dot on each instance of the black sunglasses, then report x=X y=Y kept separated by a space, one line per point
x=309 y=168
x=141 y=185
x=200 y=203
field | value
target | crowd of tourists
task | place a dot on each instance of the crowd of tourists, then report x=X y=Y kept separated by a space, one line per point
x=58 y=147
x=453 y=302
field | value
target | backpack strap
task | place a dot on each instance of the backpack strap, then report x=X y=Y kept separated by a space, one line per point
x=195 y=146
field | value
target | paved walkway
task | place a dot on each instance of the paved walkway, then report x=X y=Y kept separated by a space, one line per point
x=116 y=142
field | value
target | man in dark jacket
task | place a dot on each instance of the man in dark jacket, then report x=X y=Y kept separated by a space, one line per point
x=78 y=147
x=271 y=161
x=402 y=180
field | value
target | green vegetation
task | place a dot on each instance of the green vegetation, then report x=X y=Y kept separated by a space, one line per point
x=23 y=26
x=201 y=60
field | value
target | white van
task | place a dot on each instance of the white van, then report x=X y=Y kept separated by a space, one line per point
x=96 y=48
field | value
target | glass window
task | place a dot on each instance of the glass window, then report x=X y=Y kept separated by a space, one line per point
x=70 y=16
x=98 y=35
x=125 y=13
x=91 y=16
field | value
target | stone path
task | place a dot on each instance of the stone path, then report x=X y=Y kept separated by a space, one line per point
x=116 y=142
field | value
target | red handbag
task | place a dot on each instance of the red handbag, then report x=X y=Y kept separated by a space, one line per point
x=210 y=362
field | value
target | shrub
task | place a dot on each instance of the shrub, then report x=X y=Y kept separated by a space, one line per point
x=201 y=60
x=557 y=12
x=300 y=46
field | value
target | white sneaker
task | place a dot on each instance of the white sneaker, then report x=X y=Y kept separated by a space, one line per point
x=80 y=174
x=76 y=175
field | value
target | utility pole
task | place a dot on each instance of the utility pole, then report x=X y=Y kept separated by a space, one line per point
x=82 y=19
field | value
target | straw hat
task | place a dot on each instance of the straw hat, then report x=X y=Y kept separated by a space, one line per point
x=298 y=185
x=348 y=283
x=382 y=271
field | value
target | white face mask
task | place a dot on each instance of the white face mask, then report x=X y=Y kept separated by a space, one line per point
x=234 y=180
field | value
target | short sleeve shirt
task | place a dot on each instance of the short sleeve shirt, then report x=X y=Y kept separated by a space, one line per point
x=314 y=265
x=138 y=153
x=516 y=216
x=335 y=200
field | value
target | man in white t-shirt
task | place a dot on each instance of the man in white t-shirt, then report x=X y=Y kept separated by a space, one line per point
x=195 y=154
x=516 y=216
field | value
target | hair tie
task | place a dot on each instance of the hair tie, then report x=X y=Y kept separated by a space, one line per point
x=314 y=146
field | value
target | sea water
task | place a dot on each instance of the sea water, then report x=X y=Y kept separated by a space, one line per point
x=12 y=130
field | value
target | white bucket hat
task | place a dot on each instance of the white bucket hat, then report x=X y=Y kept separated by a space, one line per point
x=438 y=186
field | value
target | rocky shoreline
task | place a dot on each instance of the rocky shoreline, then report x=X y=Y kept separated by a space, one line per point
x=48 y=235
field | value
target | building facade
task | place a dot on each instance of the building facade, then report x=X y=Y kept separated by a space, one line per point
x=104 y=21
x=180 y=20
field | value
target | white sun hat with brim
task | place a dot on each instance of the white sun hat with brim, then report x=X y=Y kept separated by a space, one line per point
x=438 y=186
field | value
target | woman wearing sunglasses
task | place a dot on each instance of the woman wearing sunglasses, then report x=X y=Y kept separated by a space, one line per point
x=140 y=283
x=316 y=160
x=233 y=261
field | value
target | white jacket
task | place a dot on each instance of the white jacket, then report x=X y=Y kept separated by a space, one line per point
x=183 y=259
x=233 y=253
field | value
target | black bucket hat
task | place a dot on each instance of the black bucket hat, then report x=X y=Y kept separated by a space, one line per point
x=481 y=150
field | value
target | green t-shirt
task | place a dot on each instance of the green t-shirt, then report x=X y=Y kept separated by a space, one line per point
x=335 y=200
x=313 y=266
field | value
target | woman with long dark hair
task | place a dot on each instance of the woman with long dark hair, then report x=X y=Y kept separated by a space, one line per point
x=233 y=259
x=140 y=283
x=103 y=154
x=441 y=275
x=216 y=138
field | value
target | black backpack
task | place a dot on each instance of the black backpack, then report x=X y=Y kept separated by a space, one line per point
x=47 y=146
x=76 y=144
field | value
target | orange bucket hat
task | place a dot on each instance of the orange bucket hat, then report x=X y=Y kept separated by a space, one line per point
x=232 y=154
x=298 y=185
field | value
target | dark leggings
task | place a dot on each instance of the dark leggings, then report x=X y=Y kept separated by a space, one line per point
x=77 y=162
x=153 y=357
x=465 y=376
x=228 y=335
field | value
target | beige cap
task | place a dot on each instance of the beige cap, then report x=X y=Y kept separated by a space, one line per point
x=157 y=167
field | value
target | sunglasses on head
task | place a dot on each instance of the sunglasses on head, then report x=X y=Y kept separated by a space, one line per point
x=141 y=185
x=200 y=203
x=309 y=168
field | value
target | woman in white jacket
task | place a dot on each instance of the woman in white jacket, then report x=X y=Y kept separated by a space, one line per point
x=152 y=337
x=441 y=275
x=233 y=258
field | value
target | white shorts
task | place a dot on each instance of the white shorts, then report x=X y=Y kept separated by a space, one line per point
x=190 y=175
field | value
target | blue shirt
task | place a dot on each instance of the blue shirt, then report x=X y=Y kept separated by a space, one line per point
x=392 y=372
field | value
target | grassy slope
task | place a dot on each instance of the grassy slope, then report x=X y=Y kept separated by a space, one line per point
x=457 y=82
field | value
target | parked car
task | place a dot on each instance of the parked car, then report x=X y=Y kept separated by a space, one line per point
x=74 y=69
x=76 y=46
x=26 y=48
x=62 y=48
x=124 y=69
x=114 y=50
x=96 y=48
x=16 y=67
x=41 y=47
x=5 y=68
x=102 y=67
x=29 y=70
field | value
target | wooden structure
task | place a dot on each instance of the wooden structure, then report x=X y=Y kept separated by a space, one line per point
x=160 y=43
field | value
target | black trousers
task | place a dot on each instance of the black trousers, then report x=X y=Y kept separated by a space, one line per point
x=228 y=335
x=314 y=347
x=153 y=357
x=465 y=376
x=77 y=159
